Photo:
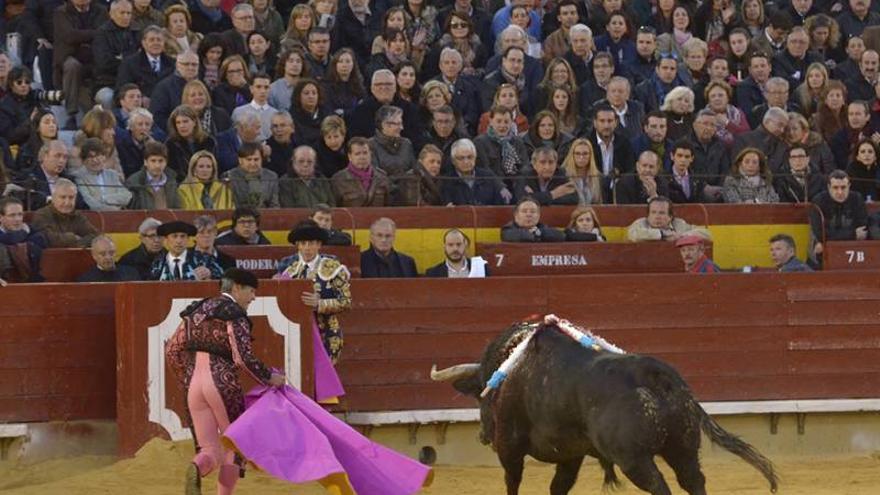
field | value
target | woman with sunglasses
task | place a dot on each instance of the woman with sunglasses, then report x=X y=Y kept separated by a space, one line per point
x=458 y=33
x=17 y=106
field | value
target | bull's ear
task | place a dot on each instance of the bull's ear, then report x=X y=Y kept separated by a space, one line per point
x=470 y=385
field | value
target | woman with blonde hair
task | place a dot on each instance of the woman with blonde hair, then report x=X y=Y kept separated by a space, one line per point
x=202 y=190
x=301 y=21
x=584 y=226
x=179 y=37
x=809 y=92
x=750 y=179
x=679 y=108
x=196 y=96
x=580 y=167
x=558 y=74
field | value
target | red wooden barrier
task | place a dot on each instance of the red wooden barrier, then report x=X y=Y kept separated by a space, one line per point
x=57 y=349
x=758 y=336
x=573 y=258
x=851 y=255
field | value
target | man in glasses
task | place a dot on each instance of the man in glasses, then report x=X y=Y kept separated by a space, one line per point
x=792 y=62
x=141 y=258
x=166 y=95
x=797 y=183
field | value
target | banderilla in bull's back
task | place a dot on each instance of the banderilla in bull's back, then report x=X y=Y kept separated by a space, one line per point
x=558 y=393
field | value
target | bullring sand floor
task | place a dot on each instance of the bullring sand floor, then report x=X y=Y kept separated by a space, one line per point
x=158 y=470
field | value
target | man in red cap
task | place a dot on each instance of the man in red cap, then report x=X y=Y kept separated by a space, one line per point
x=693 y=255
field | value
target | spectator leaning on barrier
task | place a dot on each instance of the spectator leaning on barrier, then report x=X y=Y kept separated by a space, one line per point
x=245 y=229
x=101 y=188
x=844 y=216
x=469 y=183
x=323 y=216
x=206 y=235
x=661 y=225
x=21 y=246
x=141 y=258
x=782 y=251
x=584 y=226
x=103 y=251
x=526 y=225
x=176 y=261
x=59 y=220
x=360 y=183
x=457 y=264
x=694 y=256
x=252 y=185
x=381 y=260
x=638 y=188
x=302 y=187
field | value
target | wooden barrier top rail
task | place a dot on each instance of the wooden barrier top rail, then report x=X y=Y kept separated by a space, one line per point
x=469 y=216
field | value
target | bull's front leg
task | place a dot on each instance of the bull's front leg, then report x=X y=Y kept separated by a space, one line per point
x=513 y=470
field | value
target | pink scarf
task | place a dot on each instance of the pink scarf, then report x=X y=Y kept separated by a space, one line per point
x=365 y=176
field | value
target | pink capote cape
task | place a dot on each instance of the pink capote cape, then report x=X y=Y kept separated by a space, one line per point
x=286 y=434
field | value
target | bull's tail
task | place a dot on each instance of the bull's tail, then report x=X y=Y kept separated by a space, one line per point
x=611 y=482
x=735 y=445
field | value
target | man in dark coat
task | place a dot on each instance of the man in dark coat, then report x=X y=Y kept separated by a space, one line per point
x=682 y=186
x=456 y=263
x=22 y=245
x=383 y=91
x=322 y=214
x=861 y=87
x=147 y=66
x=245 y=230
x=843 y=217
x=103 y=251
x=381 y=260
x=207 y=17
x=356 y=25
x=545 y=182
x=792 y=62
x=527 y=227
x=651 y=92
x=607 y=141
x=465 y=89
x=141 y=258
x=750 y=91
x=797 y=183
x=113 y=41
x=75 y=25
x=166 y=96
x=243 y=24
x=39 y=36
x=711 y=158
x=638 y=188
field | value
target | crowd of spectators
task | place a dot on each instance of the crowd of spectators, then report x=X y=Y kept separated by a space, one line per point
x=216 y=104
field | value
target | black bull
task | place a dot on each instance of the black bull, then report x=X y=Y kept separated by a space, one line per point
x=564 y=402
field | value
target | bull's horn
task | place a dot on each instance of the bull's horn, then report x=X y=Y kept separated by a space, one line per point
x=454 y=372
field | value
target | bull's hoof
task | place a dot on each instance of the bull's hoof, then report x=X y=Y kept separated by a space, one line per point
x=193 y=481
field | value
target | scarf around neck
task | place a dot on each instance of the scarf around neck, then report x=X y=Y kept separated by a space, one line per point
x=365 y=176
x=509 y=156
